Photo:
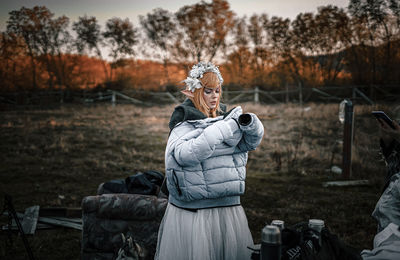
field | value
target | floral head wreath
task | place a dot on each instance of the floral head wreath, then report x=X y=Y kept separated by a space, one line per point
x=197 y=72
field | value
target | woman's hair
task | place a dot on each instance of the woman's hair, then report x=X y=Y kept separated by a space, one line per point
x=209 y=80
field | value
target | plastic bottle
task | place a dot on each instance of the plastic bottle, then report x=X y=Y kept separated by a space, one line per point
x=317 y=225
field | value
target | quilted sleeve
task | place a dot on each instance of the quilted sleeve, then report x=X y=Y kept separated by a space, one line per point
x=191 y=148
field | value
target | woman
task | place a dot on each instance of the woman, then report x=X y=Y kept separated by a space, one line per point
x=205 y=161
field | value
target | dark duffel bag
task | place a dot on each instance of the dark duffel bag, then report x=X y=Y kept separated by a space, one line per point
x=145 y=183
x=114 y=186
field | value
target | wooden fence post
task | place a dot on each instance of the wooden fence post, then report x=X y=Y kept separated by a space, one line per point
x=287 y=92
x=61 y=96
x=113 y=99
x=300 y=94
x=256 y=95
x=347 y=137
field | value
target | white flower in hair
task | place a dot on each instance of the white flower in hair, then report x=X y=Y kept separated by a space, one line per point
x=192 y=83
x=197 y=72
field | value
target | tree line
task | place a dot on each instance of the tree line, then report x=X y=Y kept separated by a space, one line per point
x=333 y=46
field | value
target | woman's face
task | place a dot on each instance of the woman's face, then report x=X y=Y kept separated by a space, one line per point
x=211 y=96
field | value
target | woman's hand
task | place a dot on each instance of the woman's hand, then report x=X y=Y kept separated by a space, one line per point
x=388 y=134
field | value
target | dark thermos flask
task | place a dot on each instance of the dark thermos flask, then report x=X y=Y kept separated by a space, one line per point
x=271 y=243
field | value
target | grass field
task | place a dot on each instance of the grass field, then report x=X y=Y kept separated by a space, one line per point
x=54 y=158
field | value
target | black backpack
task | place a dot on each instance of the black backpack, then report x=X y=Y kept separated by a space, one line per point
x=299 y=243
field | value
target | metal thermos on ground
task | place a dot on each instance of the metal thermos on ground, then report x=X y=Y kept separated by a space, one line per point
x=271 y=242
x=271 y=238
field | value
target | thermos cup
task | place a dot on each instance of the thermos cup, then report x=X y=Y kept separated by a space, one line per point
x=271 y=243
x=279 y=223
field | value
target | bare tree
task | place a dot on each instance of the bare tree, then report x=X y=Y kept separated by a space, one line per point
x=160 y=28
x=279 y=39
x=204 y=27
x=29 y=24
x=89 y=38
x=334 y=30
x=305 y=42
x=121 y=36
x=239 y=59
x=12 y=52
x=278 y=31
x=46 y=39
x=59 y=40
x=381 y=19
x=261 y=57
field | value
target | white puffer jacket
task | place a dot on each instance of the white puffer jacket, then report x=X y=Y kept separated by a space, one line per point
x=205 y=160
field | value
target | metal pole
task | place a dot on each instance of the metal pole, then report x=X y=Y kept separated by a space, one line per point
x=347 y=138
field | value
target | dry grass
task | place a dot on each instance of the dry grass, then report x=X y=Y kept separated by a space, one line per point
x=70 y=150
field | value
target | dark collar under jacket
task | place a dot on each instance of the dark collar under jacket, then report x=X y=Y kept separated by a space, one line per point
x=187 y=111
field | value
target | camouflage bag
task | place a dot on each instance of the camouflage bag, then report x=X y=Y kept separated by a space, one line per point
x=106 y=216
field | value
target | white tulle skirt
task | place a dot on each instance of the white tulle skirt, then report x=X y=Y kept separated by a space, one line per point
x=208 y=234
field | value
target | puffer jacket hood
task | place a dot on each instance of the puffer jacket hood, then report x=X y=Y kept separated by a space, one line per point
x=205 y=160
